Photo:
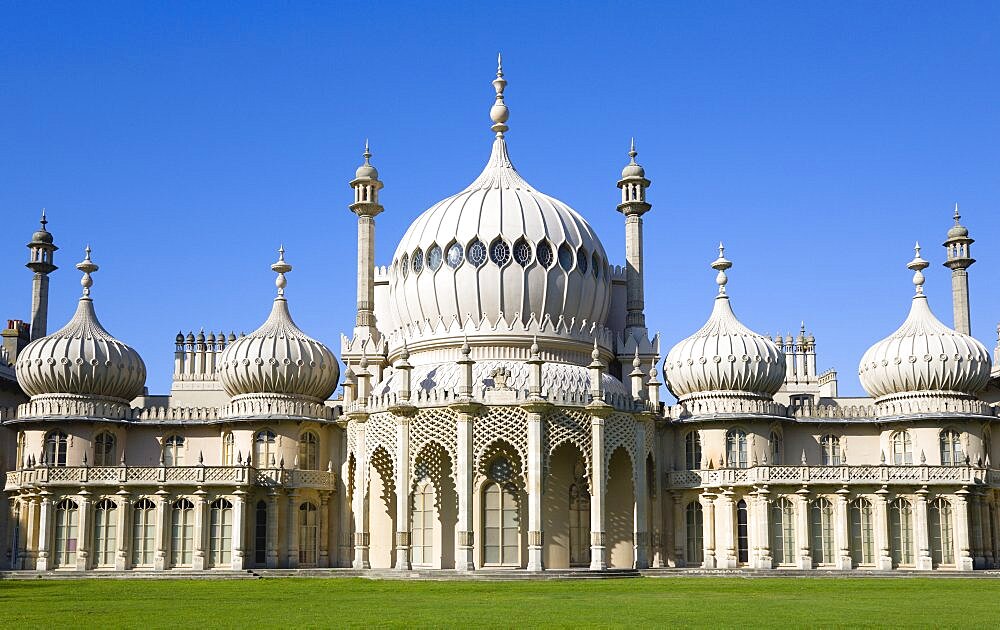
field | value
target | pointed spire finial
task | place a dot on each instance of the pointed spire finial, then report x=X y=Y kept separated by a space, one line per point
x=957 y=215
x=721 y=264
x=281 y=268
x=917 y=265
x=88 y=267
x=44 y=221
x=499 y=112
x=632 y=152
x=367 y=154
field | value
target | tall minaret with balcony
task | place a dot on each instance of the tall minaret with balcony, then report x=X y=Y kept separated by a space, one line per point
x=366 y=186
x=41 y=250
x=959 y=260
x=633 y=185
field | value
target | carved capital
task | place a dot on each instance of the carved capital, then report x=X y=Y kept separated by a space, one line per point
x=597 y=539
x=535 y=538
x=361 y=539
x=402 y=539
x=466 y=539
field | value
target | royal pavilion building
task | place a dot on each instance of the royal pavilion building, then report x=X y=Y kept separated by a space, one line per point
x=501 y=409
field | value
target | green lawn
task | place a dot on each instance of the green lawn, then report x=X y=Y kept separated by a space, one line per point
x=649 y=602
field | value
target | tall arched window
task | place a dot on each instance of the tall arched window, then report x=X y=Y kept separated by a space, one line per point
x=695 y=534
x=736 y=448
x=308 y=534
x=902 y=448
x=104 y=449
x=220 y=532
x=181 y=533
x=830 y=446
x=66 y=533
x=422 y=523
x=228 y=444
x=309 y=451
x=821 y=525
x=862 y=532
x=777 y=448
x=901 y=532
x=692 y=450
x=742 y=532
x=260 y=534
x=941 y=532
x=500 y=522
x=951 y=448
x=105 y=532
x=173 y=451
x=783 y=531
x=143 y=533
x=579 y=519
x=55 y=448
x=263 y=455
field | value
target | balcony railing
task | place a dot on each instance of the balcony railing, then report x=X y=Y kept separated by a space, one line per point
x=169 y=476
x=839 y=475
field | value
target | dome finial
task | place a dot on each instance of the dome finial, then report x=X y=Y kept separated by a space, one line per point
x=281 y=268
x=499 y=112
x=632 y=152
x=918 y=265
x=957 y=215
x=88 y=267
x=45 y=221
x=721 y=264
x=367 y=154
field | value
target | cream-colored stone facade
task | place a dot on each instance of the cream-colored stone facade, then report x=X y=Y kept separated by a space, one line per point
x=501 y=408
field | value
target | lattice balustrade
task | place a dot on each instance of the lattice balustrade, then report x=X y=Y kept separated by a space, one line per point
x=141 y=474
x=432 y=425
x=866 y=473
x=825 y=473
x=501 y=424
x=104 y=474
x=904 y=473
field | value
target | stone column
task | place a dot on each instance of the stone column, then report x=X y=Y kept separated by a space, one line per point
x=360 y=495
x=271 y=559
x=640 y=520
x=725 y=516
x=464 y=474
x=344 y=508
x=924 y=560
x=31 y=533
x=292 y=530
x=123 y=530
x=43 y=560
x=843 y=542
x=708 y=526
x=599 y=411
x=963 y=560
x=83 y=533
x=884 y=561
x=198 y=560
x=987 y=527
x=804 y=559
x=976 y=526
x=160 y=529
x=324 y=529
x=680 y=531
x=238 y=555
x=762 y=545
x=535 y=410
x=402 y=492
x=995 y=529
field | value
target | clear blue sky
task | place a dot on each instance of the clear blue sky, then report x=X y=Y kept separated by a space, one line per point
x=185 y=141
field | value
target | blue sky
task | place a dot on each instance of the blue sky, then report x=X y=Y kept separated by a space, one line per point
x=185 y=141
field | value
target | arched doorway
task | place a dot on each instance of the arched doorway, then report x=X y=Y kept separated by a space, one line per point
x=501 y=522
x=620 y=511
x=566 y=509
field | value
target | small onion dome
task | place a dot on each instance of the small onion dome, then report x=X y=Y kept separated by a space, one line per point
x=924 y=355
x=724 y=359
x=956 y=231
x=81 y=358
x=366 y=170
x=632 y=169
x=278 y=358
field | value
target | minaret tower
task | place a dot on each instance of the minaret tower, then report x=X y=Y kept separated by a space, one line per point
x=959 y=260
x=634 y=184
x=366 y=186
x=40 y=262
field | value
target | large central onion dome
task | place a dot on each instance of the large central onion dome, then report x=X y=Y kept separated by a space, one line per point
x=724 y=359
x=81 y=359
x=278 y=359
x=499 y=247
x=924 y=357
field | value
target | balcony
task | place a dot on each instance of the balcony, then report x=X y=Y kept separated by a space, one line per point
x=834 y=475
x=170 y=476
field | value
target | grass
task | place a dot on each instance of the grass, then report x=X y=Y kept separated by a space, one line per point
x=649 y=602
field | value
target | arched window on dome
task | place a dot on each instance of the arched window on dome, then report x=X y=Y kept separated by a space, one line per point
x=264 y=449
x=522 y=252
x=418 y=260
x=104 y=449
x=951 y=448
x=173 y=451
x=476 y=253
x=499 y=252
x=434 y=258
x=736 y=448
x=581 y=260
x=404 y=265
x=830 y=446
x=543 y=252
x=55 y=448
x=596 y=267
x=455 y=255
x=692 y=450
x=695 y=529
x=902 y=448
x=566 y=257
x=941 y=533
x=308 y=451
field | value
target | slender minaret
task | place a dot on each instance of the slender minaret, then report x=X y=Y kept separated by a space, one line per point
x=959 y=260
x=366 y=186
x=40 y=262
x=634 y=184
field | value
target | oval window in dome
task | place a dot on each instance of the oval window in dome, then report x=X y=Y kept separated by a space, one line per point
x=544 y=254
x=522 y=252
x=434 y=258
x=581 y=260
x=477 y=252
x=499 y=253
x=454 y=255
x=565 y=257
x=596 y=268
x=404 y=264
x=418 y=261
